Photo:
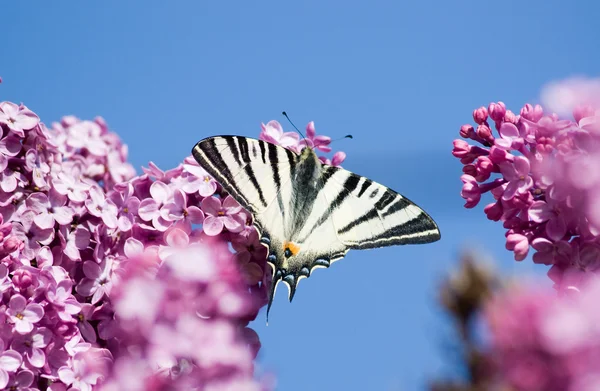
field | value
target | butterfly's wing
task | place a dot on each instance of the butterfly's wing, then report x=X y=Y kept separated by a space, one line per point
x=259 y=175
x=369 y=215
x=353 y=212
x=254 y=172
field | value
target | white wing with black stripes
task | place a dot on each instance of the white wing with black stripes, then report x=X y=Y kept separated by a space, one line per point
x=309 y=214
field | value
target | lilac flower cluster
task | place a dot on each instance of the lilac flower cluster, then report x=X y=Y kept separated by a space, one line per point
x=115 y=281
x=541 y=342
x=540 y=169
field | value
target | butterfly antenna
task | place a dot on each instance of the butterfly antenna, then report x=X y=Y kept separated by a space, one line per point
x=341 y=138
x=290 y=121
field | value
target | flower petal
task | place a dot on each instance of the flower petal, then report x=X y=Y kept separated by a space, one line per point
x=556 y=228
x=148 y=209
x=33 y=312
x=539 y=211
x=177 y=238
x=212 y=226
x=10 y=360
x=36 y=357
x=522 y=165
x=159 y=191
x=91 y=269
x=195 y=215
x=211 y=205
x=17 y=303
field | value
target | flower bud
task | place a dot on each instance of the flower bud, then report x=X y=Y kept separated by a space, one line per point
x=532 y=113
x=466 y=131
x=22 y=279
x=11 y=244
x=480 y=115
x=497 y=111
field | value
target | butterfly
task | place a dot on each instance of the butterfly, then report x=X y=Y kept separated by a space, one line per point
x=309 y=214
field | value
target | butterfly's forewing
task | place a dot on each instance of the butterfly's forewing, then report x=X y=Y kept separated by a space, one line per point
x=254 y=172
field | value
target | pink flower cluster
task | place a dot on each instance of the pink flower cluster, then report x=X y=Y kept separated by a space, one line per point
x=541 y=171
x=541 y=342
x=182 y=321
x=107 y=278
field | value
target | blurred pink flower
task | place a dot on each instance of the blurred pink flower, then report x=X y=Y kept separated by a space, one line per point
x=540 y=341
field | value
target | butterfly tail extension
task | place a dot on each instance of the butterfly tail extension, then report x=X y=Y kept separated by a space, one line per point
x=274 y=282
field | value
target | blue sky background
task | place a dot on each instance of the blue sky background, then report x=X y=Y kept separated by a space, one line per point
x=400 y=76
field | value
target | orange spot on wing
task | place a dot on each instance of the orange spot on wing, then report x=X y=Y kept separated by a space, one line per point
x=294 y=249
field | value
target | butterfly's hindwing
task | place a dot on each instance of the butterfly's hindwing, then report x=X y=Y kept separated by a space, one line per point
x=372 y=215
x=309 y=214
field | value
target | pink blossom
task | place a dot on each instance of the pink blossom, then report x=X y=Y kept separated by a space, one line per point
x=79 y=376
x=311 y=140
x=17 y=118
x=9 y=146
x=510 y=137
x=99 y=206
x=248 y=248
x=21 y=381
x=32 y=346
x=127 y=205
x=69 y=186
x=98 y=279
x=23 y=314
x=10 y=361
x=178 y=210
x=199 y=181
x=9 y=180
x=517 y=174
x=61 y=298
x=49 y=209
x=74 y=241
x=549 y=212
x=85 y=327
x=273 y=133
x=220 y=216
x=336 y=160
x=149 y=209
x=549 y=253
x=31 y=235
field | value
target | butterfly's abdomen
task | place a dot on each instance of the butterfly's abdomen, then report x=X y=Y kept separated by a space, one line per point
x=304 y=188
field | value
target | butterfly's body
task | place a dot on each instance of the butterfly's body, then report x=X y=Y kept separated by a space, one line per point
x=309 y=214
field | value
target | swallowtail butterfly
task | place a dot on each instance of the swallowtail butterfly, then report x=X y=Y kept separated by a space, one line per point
x=307 y=213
